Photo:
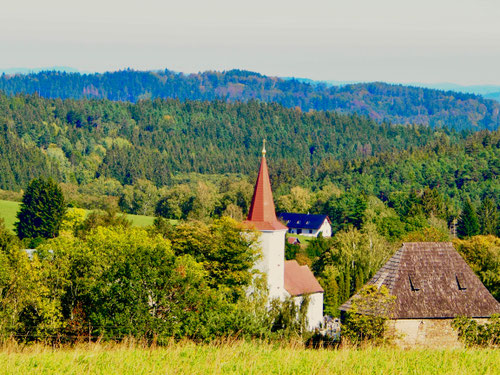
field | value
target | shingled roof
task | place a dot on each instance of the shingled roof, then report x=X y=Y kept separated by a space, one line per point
x=432 y=280
x=300 y=280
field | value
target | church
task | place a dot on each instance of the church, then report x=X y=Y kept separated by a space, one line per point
x=284 y=278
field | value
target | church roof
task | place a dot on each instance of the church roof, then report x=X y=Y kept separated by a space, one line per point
x=305 y=221
x=432 y=280
x=262 y=214
x=299 y=280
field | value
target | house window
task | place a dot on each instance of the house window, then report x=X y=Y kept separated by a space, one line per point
x=307 y=222
x=299 y=231
x=310 y=231
x=460 y=281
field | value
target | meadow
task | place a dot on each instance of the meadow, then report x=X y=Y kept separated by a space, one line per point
x=241 y=357
x=9 y=209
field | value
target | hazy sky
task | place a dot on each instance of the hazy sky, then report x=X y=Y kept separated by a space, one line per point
x=390 y=40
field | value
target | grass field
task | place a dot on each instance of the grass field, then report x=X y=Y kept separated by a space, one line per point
x=8 y=211
x=243 y=358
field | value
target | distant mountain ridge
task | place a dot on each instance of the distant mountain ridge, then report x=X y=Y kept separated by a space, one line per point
x=20 y=70
x=380 y=101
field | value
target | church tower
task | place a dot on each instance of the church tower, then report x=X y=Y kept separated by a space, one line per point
x=262 y=216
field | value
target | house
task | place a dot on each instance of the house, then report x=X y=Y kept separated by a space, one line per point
x=432 y=285
x=307 y=224
x=293 y=240
x=284 y=278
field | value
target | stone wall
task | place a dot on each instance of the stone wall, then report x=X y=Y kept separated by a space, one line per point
x=424 y=333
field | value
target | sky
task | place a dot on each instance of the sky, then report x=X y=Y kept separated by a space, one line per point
x=427 y=41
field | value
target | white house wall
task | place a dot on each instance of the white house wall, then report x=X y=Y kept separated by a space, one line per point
x=325 y=229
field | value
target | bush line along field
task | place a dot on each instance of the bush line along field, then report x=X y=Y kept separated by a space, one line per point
x=244 y=358
x=8 y=212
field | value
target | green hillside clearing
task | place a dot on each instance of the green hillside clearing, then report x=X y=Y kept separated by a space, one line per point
x=8 y=212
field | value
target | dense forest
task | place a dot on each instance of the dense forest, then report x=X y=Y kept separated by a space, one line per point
x=380 y=101
x=204 y=155
x=77 y=141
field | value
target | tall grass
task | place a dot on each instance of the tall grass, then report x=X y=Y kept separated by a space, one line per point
x=241 y=357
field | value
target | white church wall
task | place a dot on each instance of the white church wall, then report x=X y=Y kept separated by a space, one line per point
x=272 y=262
x=314 y=310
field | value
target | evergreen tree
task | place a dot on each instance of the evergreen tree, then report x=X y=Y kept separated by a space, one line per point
x=42 y=210
x=468 y=224
x=488 y=216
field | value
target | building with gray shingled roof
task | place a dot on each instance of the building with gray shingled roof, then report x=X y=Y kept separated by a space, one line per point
x=432 y=284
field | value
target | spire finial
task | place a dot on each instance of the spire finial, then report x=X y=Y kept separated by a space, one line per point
x=263 y=147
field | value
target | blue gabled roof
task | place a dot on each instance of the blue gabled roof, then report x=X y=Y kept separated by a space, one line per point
x=305 y=221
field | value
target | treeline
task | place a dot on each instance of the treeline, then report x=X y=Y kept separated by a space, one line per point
x=77 y=141
x=380 y=101
x=200 y=159
x=112 y=282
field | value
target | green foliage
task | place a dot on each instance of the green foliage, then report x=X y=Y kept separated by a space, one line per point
x=488 y=217
x=468 y=223
x=118 y=281
x=42 y=210
x=299 y=200
x=139 y=198
x=176 y=204
x=426 y=235
x=228 y=256
x=351 y=258
x=474 y=334
x=151 y=140
x=344 y=211
x=291 y=250
x=73 y=219
x=366 y=321
x=482 y=254
x=98 y=218
x=289 y=317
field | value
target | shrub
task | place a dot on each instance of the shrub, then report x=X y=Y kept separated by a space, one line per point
x=367 y=317
x=471 y=333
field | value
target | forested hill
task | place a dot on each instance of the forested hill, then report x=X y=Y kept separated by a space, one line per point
x=79 y=140
x=380 y=101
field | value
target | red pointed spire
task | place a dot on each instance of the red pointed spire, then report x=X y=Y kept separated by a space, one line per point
x=262 y=214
